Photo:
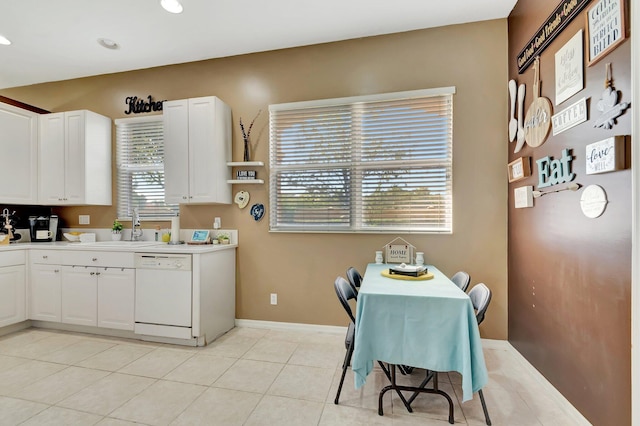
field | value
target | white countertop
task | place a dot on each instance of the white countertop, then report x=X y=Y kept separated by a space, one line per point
x=126 y=246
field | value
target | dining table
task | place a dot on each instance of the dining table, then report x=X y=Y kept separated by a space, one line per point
x=426 y=323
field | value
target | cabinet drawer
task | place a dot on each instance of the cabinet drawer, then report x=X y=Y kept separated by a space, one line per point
x=49 y=257
x=11 y=258
x=98 y=258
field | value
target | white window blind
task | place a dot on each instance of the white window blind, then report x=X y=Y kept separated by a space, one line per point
x=379 y=163
x=140 y=168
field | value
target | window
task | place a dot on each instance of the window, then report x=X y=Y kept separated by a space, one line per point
x=377 y=163
x=140 y=168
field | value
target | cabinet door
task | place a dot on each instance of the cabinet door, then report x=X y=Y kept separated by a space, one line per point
x=176 y=151
x=19 y=147
x=12 y=295
x=116 y=298
x=79 y=295
x=74 y=157
x=51 y=152
x=201 y=150
x=209 y=151
x=45 y=292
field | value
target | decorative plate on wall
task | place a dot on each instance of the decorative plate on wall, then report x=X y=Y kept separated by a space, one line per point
x=257 y=211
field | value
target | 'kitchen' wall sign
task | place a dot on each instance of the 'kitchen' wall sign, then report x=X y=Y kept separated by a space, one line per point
x=139 y=105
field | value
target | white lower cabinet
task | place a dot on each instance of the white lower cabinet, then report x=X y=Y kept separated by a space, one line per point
x=102 y=297
x=96 y=296
x=79 y=295
x=116 y=298
x=46 y=283
x=12 y=289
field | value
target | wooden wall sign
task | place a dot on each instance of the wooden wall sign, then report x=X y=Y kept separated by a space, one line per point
x=139 y=105
x=552 y=172
x=569 y=117
x=569 y=69
x=519 y=169
x=523 y=197
x=605 y=28
x=537 y=122
x=609 y=105
x=554 y=24
x=605 y=156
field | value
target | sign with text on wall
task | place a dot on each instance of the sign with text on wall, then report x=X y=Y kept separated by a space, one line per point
x=605 y=156
x=139 y=105
x=398 y=251
x=550 y=28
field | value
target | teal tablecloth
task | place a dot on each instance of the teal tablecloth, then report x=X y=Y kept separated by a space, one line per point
x=428 y=324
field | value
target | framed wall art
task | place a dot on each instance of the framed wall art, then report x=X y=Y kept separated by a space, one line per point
x=519 y=169
x=569 y=65
x=605 y=28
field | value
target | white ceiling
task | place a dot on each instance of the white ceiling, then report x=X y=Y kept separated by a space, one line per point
x=57 y=39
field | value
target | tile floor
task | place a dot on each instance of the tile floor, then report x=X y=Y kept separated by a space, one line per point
x=247 y=377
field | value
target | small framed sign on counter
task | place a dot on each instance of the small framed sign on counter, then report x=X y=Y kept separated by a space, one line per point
x=398 y=251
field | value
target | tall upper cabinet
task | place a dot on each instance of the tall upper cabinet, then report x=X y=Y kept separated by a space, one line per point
x=75 y=159
x=19 y=151
x=197 y=146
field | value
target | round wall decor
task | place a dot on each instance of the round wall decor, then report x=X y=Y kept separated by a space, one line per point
x=593 y=201
x=257 y=211
x=242 y=199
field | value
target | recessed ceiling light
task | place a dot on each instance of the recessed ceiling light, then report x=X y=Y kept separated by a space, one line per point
x=4 y=40
x=109 y=44
x=172 y=6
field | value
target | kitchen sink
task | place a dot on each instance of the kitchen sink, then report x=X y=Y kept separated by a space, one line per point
x=123 y=243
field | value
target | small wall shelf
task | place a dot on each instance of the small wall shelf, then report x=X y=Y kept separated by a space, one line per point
x=245 y=163
x=246 y=181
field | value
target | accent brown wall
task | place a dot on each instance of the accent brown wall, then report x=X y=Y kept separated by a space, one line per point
x=301 y=268
x=570 y=276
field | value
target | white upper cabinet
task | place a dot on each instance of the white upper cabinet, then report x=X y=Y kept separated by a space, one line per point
x=197 y=138
x=19 y=148
x=74 y=154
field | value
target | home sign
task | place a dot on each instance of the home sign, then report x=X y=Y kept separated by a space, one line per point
x=553 y=172
x=139 y=105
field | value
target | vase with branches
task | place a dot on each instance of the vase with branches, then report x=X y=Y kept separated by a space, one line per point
x=246 y=137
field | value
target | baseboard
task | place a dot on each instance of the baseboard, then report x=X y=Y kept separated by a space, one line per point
x=486 y=343
x=291 y=326
x=14 y=327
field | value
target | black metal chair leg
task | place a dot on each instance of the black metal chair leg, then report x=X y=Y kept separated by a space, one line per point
x=345 y=366
x=484 y=408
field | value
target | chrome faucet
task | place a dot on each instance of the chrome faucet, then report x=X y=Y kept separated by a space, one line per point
x=136 y=230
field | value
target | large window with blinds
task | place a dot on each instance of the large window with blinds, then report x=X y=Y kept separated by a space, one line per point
x=140 y=168
x=380 y=163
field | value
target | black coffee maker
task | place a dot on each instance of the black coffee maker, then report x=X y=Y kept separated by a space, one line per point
x=43 y=228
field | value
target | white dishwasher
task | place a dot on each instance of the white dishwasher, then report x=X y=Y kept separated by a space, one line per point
x=163 y=295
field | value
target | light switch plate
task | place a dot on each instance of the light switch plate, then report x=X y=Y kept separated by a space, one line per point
x=84 y=219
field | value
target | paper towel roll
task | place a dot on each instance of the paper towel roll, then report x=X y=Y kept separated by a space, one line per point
x=175 y=229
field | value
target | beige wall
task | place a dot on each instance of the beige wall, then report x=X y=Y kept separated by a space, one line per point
x=301 y=268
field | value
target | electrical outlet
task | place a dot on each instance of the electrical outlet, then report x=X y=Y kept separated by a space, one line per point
x=274 y=298
x=84 y=219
